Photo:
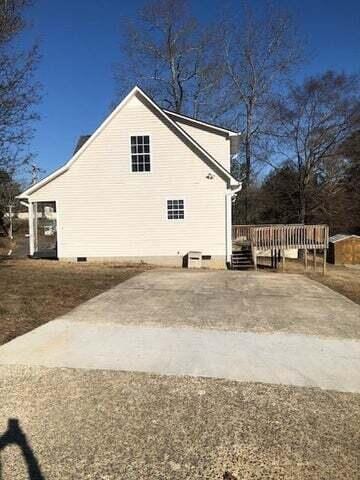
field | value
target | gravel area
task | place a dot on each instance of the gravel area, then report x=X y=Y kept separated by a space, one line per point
x=115 y=425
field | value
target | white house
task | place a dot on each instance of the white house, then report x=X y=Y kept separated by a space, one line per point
x=149 y=185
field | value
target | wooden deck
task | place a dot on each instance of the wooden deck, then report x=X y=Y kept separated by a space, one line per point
x=278 y=238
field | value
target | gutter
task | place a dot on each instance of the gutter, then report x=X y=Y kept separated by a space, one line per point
x=230 y=196
x=232 y=192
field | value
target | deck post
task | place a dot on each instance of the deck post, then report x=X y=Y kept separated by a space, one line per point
x=283 y=260
x=324 y=261
x=254 y=254
x=314 y=253
x=305 y=259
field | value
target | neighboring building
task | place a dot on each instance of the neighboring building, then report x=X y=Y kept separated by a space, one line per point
x=149 y=185
x=344 y=249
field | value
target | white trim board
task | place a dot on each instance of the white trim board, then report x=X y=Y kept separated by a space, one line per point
x=200 y=122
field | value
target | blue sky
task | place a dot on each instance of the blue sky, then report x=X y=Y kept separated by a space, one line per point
x=80 y=42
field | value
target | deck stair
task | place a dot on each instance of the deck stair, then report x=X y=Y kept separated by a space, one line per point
x=274 y=240
x=242 y=259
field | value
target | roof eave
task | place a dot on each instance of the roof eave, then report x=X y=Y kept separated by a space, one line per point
x=202 y=123
x=43 y=182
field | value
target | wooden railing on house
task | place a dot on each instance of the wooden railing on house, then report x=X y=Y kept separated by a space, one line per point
x=242 y=232
x=278 y=238
x=283 y=237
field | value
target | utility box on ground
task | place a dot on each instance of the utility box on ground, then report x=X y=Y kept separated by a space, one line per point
x=194 y=260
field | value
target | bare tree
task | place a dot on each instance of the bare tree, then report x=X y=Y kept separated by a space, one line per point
x=259 y=51
x=169 y=54
x=350 y=152
x=277 y=199
x=311 y=122
x=9 y=188
x=19 y=91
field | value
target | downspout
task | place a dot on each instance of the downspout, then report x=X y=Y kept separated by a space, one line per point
x=233 y=190
x=229 y=198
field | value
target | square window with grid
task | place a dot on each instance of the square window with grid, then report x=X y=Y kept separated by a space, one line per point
x=175 y=209
x=140 y=154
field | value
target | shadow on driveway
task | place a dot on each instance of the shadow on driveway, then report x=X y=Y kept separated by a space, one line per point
x=14 y=435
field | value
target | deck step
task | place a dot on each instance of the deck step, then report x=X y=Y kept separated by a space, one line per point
x=242 y=259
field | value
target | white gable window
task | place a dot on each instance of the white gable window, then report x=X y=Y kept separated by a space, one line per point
x=175 y=210
x=140 y=153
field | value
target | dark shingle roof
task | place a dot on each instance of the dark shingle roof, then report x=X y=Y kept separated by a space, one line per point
x=82 y=140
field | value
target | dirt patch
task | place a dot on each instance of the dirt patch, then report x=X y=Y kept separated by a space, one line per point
x=36 y=291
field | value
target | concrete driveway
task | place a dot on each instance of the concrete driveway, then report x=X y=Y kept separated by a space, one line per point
x=226 y=300
x=271 y=328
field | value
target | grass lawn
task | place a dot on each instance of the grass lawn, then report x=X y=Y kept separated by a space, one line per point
x=36 y=291
x=345 y=280
x=342 y=279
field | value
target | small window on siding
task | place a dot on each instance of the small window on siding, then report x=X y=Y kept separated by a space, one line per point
x=175 y=210
x=140 y=154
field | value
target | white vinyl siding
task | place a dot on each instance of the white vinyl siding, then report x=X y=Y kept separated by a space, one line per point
x=105 y=210
x=217 y=144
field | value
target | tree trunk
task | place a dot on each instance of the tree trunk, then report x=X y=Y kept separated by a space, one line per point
x=3 y=226
x=302 y=215
x=302 y=210
x=247 y=180
x=247 y=163
x=302 y=198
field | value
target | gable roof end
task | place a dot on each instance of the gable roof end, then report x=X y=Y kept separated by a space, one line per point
x=182 y=133
x=190 y=139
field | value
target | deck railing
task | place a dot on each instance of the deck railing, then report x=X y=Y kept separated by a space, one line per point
x=243 y=232
x=281 y=237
